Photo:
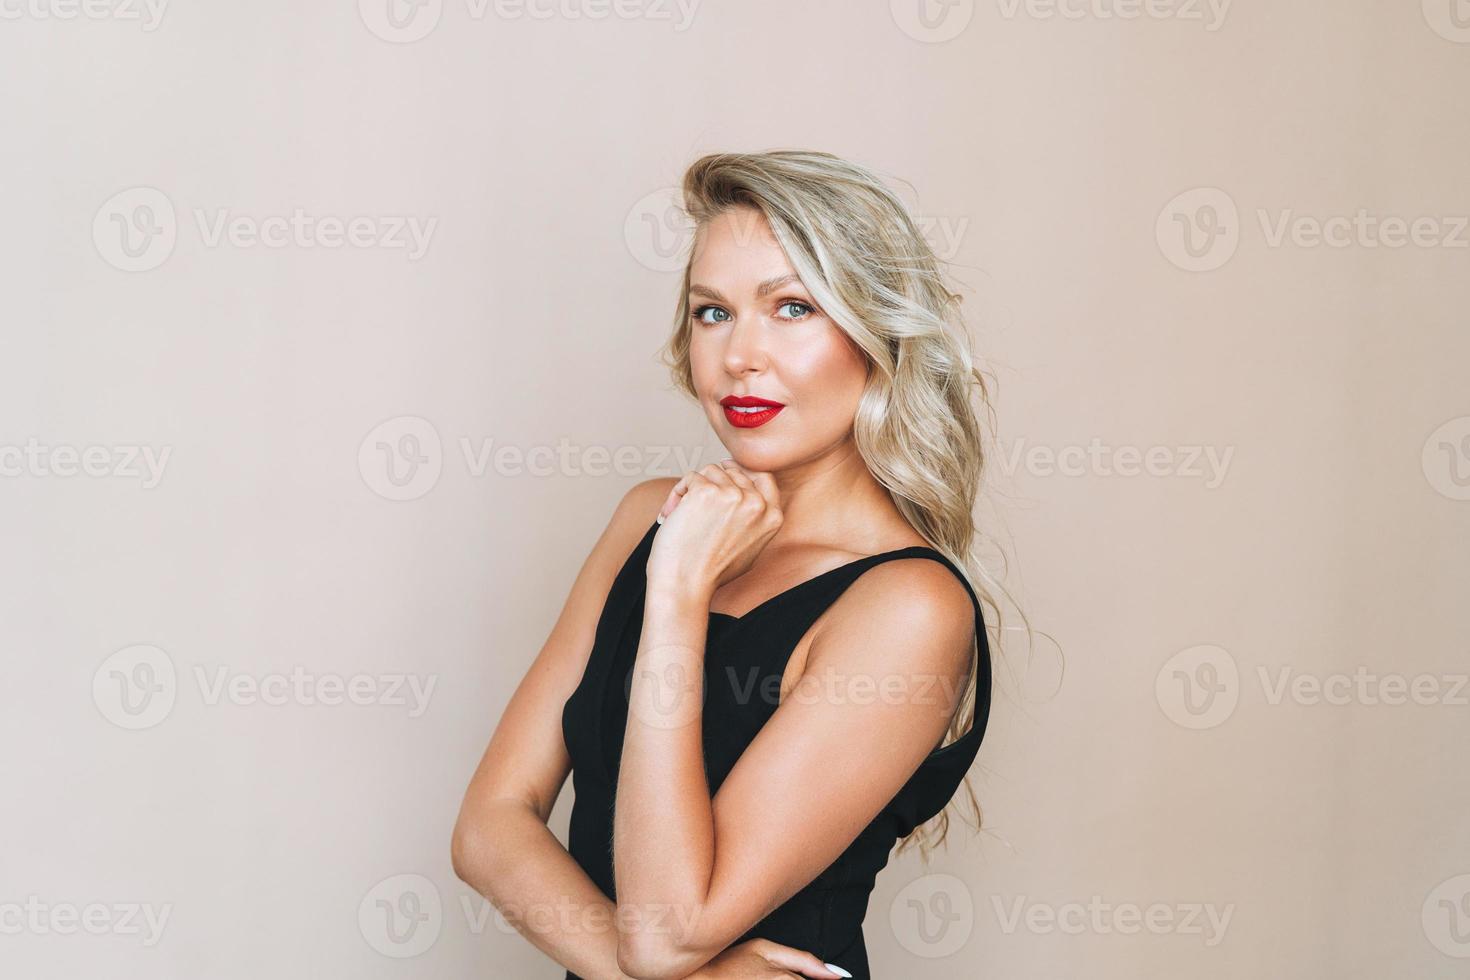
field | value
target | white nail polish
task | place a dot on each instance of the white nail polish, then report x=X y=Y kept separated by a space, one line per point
x=837 y=969
x=660 y=518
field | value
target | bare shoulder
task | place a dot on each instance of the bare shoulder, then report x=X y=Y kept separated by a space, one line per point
x=640 y=505
x=650 y=494
x=911 y=591
x=630 y=520
x=917 y=607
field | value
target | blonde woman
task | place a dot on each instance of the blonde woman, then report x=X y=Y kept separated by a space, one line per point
x=772 y=668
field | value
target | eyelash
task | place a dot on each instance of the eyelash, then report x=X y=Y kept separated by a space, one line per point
x=697 y=314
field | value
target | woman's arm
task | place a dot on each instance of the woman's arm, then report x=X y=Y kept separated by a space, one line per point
x=502 y=847
x=884 y=676
x=516 y=862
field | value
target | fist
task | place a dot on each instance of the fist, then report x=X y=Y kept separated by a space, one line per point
x=716 y=521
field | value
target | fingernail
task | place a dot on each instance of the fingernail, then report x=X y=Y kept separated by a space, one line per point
x=837 y=970
x=660 y=518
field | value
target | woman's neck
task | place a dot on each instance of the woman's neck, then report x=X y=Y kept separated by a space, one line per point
x=834 y=501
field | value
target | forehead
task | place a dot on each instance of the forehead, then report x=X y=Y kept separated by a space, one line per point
x=735 y=244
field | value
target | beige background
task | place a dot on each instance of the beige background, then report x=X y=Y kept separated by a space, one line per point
x=289 y=537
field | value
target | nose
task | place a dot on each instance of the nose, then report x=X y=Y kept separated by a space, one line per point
x=745 y=348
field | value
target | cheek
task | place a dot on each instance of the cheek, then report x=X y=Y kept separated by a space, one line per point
x=704 y=362
x=704 y=366
x=827 y=378
x=833 y=364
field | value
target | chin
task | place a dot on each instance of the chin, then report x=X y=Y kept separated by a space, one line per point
x=761 y=459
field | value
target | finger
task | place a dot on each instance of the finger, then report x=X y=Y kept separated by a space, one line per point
x=695 y=480
x=715 y=473
x=765 y=485
x=739 y=477
x=676 y=493
x=804 y=963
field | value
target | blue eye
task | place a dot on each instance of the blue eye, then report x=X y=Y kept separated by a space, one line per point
x=793 y=302
x=699 y=312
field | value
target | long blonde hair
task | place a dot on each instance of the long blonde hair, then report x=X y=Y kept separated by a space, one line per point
x=855 y=246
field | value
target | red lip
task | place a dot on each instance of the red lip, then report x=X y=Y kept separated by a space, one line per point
x=748 y=401
x=749 y=420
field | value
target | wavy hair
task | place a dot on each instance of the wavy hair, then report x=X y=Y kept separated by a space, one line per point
x=860 y=253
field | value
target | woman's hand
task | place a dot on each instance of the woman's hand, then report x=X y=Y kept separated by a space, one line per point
x=761 y=959
x=716 y=520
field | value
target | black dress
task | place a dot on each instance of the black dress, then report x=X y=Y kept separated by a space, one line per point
x=745 y=654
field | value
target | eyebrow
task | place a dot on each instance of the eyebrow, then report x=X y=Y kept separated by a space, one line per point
x=769 y=286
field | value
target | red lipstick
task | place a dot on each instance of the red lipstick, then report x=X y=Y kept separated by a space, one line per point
x=748 y=411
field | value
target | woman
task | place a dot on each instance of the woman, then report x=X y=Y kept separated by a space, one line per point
x=754 y=676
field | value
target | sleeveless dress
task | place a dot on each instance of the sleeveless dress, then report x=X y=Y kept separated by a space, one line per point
x=745 y=655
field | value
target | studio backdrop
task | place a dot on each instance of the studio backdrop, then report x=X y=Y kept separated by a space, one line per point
x=329 y=346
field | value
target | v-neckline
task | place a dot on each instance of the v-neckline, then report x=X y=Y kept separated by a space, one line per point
x=731 y=617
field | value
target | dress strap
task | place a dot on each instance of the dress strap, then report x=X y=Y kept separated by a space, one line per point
x=810 y=599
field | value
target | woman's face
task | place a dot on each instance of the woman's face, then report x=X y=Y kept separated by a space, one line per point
x=756 y=331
